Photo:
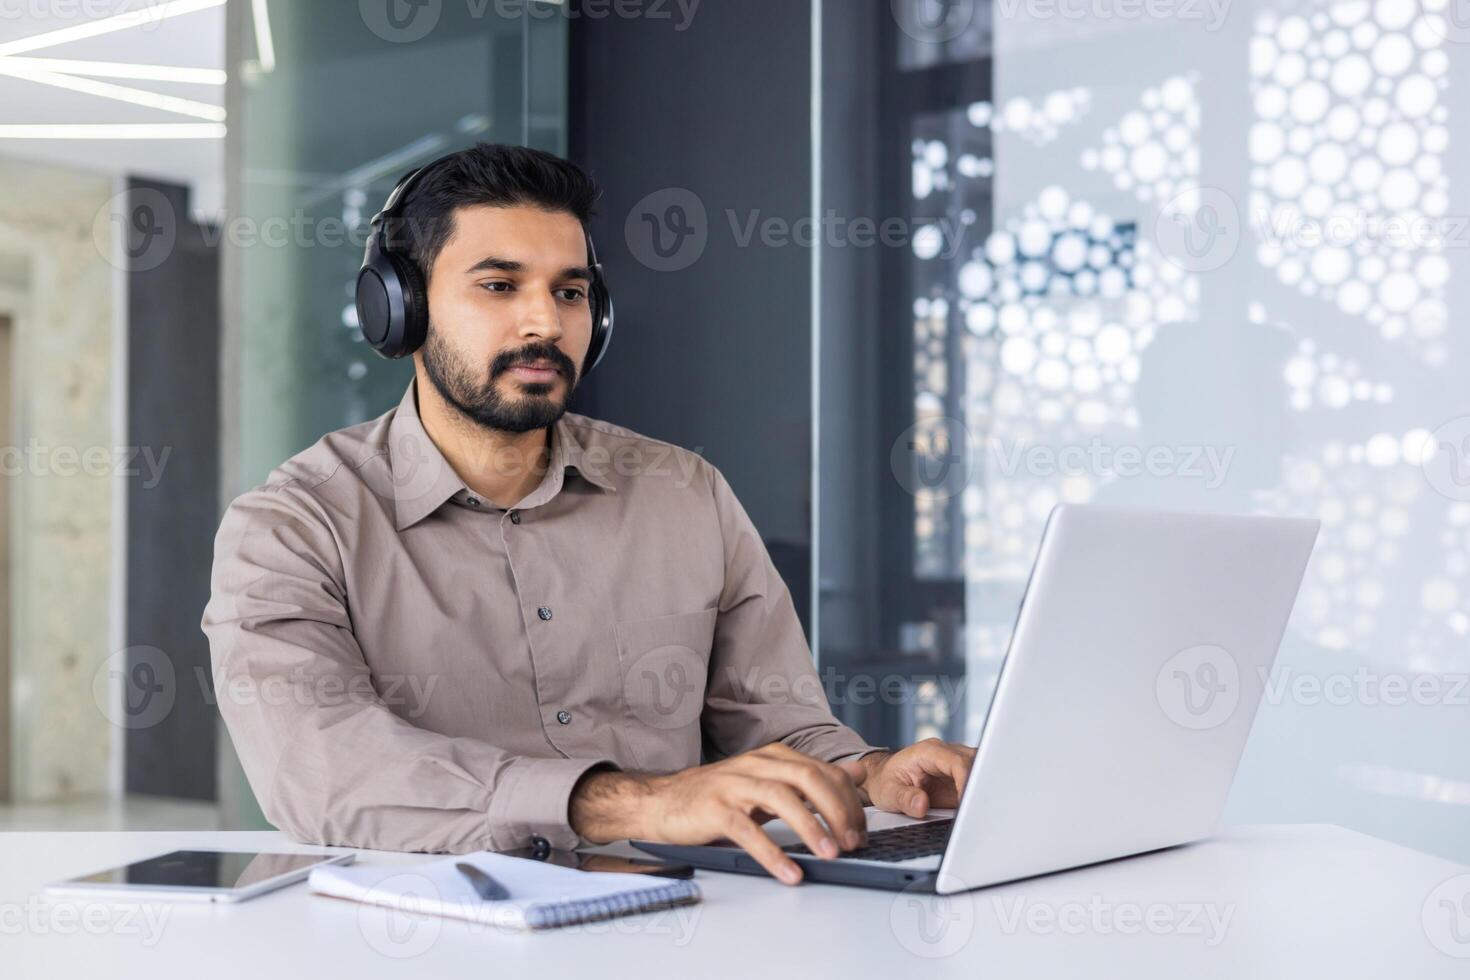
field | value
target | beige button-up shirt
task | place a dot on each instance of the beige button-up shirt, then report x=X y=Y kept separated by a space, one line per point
x=404 y=666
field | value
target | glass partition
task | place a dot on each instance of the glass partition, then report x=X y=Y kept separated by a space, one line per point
x=1169 y=261
x=327 y=111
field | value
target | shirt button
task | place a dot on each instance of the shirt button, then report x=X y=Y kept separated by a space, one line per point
x=565 y=717
x=544 y=612
x=515 y=518
x=473 y=501
x=540 y=845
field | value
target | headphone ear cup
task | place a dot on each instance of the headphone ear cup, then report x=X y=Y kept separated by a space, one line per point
x=415 y=304
x=392 y=304
x=602 y=325
x=378 y=300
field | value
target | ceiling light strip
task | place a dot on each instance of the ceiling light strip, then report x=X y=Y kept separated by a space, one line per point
x=119 y=93
x=146 y=15
x=121 y=69
x=265 y=42
x=112 y=131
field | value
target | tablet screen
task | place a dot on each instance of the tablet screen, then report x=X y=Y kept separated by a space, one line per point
x=203 y=869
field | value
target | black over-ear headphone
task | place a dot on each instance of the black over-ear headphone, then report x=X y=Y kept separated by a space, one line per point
x=393 y=296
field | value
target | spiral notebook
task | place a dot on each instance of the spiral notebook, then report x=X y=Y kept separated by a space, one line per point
x=543 y=895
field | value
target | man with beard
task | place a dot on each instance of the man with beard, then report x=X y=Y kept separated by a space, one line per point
x=479 y=621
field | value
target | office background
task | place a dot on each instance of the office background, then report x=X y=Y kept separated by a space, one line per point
x=908 y=272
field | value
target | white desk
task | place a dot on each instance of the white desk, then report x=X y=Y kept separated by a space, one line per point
x=1294 y=902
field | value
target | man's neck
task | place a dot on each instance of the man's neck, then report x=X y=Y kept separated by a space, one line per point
x=501 y=467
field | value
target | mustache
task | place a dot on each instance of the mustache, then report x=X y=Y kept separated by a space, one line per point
x=529 y=354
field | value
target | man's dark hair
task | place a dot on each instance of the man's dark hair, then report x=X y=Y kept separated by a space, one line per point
x=497 y=175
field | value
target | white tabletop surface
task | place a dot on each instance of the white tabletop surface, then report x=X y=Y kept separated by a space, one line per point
x=1274 y=901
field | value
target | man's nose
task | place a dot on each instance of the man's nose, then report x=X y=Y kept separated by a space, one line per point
x=540 y=319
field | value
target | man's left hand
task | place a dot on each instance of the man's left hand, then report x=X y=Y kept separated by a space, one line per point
x=927 y=774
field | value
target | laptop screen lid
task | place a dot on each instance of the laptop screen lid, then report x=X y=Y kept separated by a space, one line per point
x=1138 y=660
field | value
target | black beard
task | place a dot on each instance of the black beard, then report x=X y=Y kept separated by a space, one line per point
x=536 y=408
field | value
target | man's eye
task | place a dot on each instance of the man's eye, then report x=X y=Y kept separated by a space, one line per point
x=497 y=287
x=571 y=295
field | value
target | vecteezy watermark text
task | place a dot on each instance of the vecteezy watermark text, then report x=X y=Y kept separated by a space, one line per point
x=669 y=229
x=1208 y=464
x=1099 y=916
x=406 y=21
x=38 y=916
x=40 y=459
x=138 y=686
x=149 y=13
x=1209 y=13
x=1367 y=687
x=939 y=457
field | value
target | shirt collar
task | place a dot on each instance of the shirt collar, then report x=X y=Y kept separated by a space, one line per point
x=568 y=451
x=423 y=479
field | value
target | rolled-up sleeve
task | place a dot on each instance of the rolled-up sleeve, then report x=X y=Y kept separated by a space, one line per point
x=763 y=686
x=328 y=760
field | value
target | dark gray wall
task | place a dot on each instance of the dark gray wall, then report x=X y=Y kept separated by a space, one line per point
x=853 y=459
x=716 y=356
x=173 y=406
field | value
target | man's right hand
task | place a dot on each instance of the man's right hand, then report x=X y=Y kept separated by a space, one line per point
x=729 y=799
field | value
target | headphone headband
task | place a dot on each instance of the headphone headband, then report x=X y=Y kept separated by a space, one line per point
x=397 y=197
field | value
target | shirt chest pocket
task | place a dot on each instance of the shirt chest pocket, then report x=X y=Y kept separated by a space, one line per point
x=664 y=664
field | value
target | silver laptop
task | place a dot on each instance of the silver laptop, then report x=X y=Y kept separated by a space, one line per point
x=1138 y=660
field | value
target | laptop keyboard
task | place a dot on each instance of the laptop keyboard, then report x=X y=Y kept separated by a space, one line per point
x=897 y=843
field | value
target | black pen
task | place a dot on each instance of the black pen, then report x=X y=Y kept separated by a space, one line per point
x=485 y=886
